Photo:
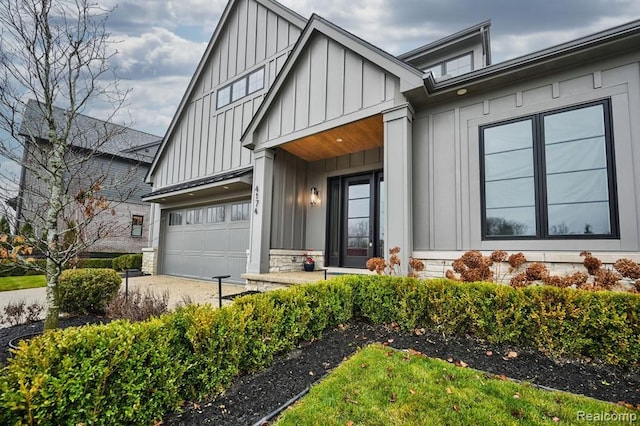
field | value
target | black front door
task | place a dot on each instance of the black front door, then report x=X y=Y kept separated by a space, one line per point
x=354 y=231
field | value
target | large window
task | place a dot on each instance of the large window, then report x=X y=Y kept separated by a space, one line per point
x=550 y=175
x=240 y=88
x=452 y=67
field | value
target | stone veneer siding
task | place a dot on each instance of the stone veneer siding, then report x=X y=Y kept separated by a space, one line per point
x=558 y=263
x=291 y=260
x=150 y=261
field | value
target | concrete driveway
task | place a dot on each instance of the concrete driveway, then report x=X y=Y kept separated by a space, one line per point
x=179 y=289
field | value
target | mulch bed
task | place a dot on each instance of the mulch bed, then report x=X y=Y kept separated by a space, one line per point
x=253 y=397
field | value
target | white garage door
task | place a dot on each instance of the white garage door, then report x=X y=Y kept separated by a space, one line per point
x=203 y=242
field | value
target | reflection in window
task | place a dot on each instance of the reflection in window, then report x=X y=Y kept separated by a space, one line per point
x=240 y=212
x=549 y=175
x=136 y=225
x=194 y=217
x=175 y=218
x=215 y=214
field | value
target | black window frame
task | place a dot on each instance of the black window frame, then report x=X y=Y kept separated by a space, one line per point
x=539 y=170
x=246 y=93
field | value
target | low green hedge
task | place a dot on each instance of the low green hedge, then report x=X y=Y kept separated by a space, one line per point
x=127 y=261
x=95 y=263
x=87 y=291
x=133 y=373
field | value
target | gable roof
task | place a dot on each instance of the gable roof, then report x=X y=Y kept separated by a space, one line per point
x=410 y=77
x=283 y=11
x=118 y=140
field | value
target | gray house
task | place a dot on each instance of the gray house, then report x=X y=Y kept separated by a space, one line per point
x=295 y=135
x=120 y=156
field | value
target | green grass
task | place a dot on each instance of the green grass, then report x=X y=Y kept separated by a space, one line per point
x=19 y=283
x=381 y=386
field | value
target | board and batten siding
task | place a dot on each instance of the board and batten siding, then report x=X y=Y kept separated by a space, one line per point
x=295 y=224
x=446 y=169
x=206 y=140
x=329 y=82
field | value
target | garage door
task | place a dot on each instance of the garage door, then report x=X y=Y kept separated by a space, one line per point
x=207 y=241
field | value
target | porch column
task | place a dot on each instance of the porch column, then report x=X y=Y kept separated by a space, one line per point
x=260 y=234
x=398 y=178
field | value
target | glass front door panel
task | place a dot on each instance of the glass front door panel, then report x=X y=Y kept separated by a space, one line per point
x=358 y=219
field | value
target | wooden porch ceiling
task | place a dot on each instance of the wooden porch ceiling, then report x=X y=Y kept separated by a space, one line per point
x=353 y=137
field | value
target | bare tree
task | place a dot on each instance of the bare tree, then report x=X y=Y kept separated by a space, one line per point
x=54 y=63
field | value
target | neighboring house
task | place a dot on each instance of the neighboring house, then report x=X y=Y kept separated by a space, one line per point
x=296 y=134
x=119 y=154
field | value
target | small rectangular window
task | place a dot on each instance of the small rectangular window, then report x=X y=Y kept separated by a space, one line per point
x=175 y=218
x=224 y=97
x=239 y=89
x=136 y=225
x=215 y=214
x=194 y=217
x=240 y=212
x=256 y=80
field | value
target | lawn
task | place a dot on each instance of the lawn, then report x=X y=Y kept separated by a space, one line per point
x=382 y=386
x=19 y=283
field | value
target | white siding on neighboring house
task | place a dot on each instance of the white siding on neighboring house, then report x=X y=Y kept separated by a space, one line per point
x=206 y=139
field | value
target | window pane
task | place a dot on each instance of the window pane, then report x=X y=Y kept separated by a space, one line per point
x=136 y=225
x=175 y=218
x=256 y=80
x=435 y=70
x=576 y=124
x=580 y=219
x=215 y=214
x=359 y=191
x=509 y=165
x=515 y=221
x=358 y=228
x=577 y=178
x=508 y=137
x=510 y=193
x=224 y=97
x=239 y=89
x=239 y=212
x=193 y=217
x=457 y=66
x=575 y=187
x=359 y=208
x=582 y=154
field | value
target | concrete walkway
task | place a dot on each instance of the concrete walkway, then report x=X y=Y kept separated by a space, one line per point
x=179 y=289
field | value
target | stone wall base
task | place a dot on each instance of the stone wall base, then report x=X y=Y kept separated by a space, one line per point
x=253 y=285
x=291 y=260
x=150 y=261
x=556 y=265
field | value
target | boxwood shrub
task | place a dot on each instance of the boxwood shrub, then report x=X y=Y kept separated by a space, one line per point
x=124 y=373
x=127 y=261
x=87 y=291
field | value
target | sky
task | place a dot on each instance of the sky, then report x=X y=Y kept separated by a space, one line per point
x=160 y=42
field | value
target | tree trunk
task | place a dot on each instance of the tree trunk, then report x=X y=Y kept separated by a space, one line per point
x=53 y=245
